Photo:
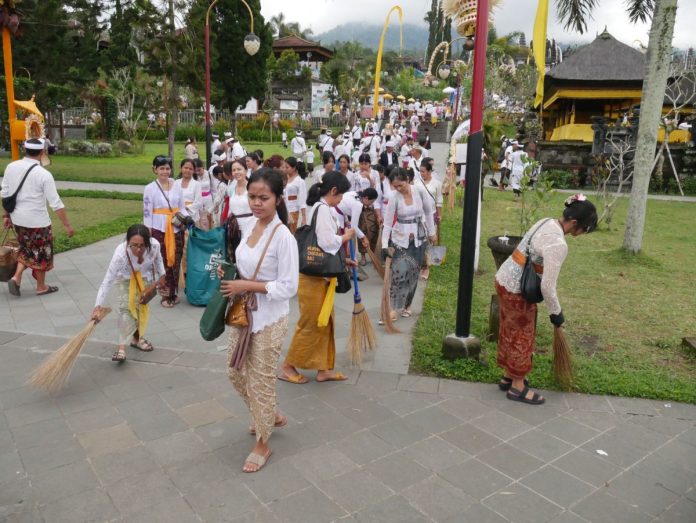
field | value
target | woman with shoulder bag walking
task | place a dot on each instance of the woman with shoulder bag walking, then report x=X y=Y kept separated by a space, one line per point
x=267 y=265
x=313 y=346
x=545 y=244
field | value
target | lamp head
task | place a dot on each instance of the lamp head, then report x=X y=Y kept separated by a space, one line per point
x=444 y=71
x=469 y=44
x=252 y=44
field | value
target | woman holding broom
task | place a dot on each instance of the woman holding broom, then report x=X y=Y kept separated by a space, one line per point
x=313 y=346
x=268 y=266
x=135 y=266
x=433 y=188
x=548 y=250
x=408 y=226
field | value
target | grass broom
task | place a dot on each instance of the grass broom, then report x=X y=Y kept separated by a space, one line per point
x=385 y=308
x=53 y=373
x=376 y=262
x=362 y=336
x=562 y=359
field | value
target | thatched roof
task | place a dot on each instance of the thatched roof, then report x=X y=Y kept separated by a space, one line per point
x=604 y=60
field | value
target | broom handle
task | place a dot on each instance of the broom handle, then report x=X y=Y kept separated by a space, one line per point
x=356 y=294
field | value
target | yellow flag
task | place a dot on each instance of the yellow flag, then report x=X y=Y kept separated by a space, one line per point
x=540 y=23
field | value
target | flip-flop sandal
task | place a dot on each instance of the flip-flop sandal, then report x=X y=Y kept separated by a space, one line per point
x=143 y=345
x=256 y=459
x=278 y=424
x=336 y=376
x=505 y=383
x=406 y=314
x=13 y=287
x=119 y=356
x=521 y=396
x=297 y=379
x=51 y=289
x=166 y=303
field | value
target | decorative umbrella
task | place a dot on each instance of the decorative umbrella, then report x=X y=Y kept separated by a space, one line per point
x=401 y=97
x=448 y=90
x=411 y=100
x=388 y=97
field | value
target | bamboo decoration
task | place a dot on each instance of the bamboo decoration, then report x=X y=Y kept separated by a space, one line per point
x=54 y=372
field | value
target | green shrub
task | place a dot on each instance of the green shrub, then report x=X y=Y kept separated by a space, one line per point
x=561 y=179
x=689 y=185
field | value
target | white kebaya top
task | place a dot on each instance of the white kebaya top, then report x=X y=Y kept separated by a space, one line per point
x=151 y=269
x=327 y=229
x=296 y=194
x=192 y=197
x=352 y=208
x=280 y=269
x=154 y=199
x=408 y=217
x=38 y=189
x=548 y=249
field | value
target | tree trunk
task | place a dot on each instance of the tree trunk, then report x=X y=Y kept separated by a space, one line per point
x=656 y=74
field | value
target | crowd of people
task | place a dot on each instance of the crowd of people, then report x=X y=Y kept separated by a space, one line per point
x=383 y=191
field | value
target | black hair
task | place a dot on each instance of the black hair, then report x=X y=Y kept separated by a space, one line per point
x=255 y=157
x=160 y=160
x=399 y=173
x=364 y=158
x=197 y=163
x=346 y=157
x=274 y=181
x=378 y=167
x=217 y=171
x=184 y=162
x=138 y=229
x=369 y=193
x=227 y=168
x=297 y=165
x=329 y=181
x=325 y=156
x=33 y=153
x=411 y=175
x=427 y=164
x=584 y=212
x=259 y=153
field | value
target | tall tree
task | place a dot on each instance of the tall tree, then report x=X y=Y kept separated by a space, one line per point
x=235 y=75
x=664 y=13
x=431 y=17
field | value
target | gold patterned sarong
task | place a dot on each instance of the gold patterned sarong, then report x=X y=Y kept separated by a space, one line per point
x=313 y=347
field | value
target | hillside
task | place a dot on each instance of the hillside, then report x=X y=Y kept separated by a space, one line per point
x=415 y=36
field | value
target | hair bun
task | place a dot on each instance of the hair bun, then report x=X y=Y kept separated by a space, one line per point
x=575 y=198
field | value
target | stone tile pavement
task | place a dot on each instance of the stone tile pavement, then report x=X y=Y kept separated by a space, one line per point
x=163 y=436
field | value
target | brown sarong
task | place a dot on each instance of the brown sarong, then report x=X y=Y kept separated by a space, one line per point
x=312 y=347
x=35 y=247
x=369 y=226
x=517 y=333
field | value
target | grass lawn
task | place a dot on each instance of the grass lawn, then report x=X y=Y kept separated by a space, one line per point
x=625 y=315
x=92 y=220
x=133 y=169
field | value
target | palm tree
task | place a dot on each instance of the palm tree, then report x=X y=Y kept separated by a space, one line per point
x=278 y=24
x=664 y=13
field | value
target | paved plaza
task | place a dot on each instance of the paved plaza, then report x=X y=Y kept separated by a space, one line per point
x=163 y=437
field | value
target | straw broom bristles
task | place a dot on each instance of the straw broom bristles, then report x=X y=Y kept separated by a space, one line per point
x=362 y=336
x=562 y=359
x=53 y=373
x=376 y=262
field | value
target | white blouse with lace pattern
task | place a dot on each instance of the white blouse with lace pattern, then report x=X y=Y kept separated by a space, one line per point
x=327 y=229
x=154 y=198
x=280 y=269
x=401 y=221
x=548 y=249
x=151 y=269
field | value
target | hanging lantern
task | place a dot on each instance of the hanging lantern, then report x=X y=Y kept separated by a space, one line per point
x=252 y=44
x=444 y=71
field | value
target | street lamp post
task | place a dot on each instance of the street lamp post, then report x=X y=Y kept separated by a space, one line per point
x=252 y=44
x=462 y=343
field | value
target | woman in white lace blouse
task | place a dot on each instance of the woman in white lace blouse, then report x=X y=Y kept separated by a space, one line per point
x=135 y=265
x=268 y=247
x=408 y=227
x=517 y=331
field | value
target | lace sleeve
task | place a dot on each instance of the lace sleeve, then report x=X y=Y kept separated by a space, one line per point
x=111 y=276
x=554 y=256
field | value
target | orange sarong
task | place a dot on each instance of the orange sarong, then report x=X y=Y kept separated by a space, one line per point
x=169 y=241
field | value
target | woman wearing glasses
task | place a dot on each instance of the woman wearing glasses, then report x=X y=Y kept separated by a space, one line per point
x=162 y=199
x=545 y=243
x=135 y=266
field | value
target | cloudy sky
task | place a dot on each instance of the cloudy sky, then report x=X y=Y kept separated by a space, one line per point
x=513 y=15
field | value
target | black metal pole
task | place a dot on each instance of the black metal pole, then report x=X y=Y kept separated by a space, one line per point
x=468 y=243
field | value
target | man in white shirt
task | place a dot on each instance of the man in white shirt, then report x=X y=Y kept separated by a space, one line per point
x=216 y=143
x=237 y=149
x=328 y=142
x=298 y=146
x=416 y=160
x=356 y=133
x=33 y=187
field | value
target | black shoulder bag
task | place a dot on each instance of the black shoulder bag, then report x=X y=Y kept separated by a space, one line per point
x=10 y=202
x=530 y=283
x=314 y=261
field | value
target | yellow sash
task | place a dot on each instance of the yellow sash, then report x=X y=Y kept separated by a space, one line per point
x=327 y=306
x=139 y=311
x=169 y=242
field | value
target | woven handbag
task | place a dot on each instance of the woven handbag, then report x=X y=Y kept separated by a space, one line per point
x=9 y=251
